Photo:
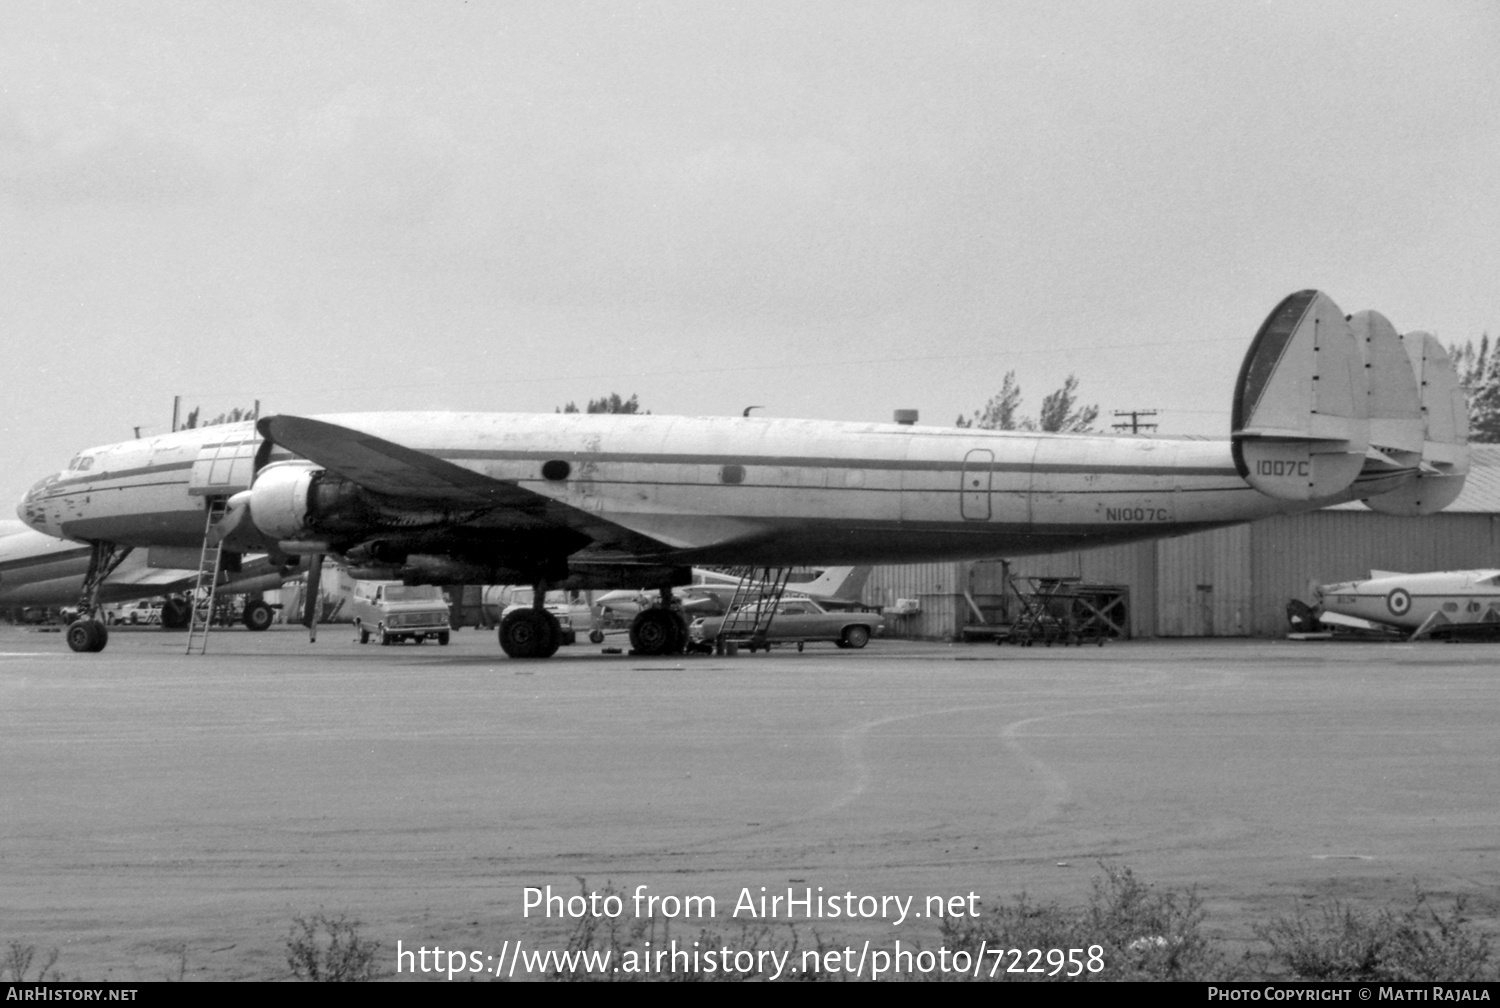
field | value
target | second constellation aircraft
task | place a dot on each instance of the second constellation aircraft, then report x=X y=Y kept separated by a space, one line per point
x=40 y=570
x=1327 y=408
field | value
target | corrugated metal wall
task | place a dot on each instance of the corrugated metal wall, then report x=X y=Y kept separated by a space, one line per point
x=1227 y=582
x=1203 y=584
x=937 y=587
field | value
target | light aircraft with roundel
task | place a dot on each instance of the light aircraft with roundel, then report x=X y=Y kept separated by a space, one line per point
x=1436 y=603
x=1327 y=408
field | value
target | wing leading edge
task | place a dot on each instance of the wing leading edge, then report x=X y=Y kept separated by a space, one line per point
x=408 y=474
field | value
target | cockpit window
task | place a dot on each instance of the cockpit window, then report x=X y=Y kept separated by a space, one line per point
x=81 y=463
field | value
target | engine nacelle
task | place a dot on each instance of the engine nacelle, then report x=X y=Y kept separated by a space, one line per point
x=281 y=499
x=300 y=502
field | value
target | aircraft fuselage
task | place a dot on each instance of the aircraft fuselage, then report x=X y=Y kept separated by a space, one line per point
x=723 y=490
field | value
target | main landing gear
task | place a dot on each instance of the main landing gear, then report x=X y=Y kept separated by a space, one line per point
x=659 y=631
x=530 y=633
x=534 y=632
x=87 y=632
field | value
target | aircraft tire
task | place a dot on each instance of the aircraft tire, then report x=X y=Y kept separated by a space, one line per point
x=364 y=634
x=386 y=640
x=658 y=632
x=530 y=633
x=87 y=635
x=856 y=636
x=442 y=636
x=175 y=614
x=258 y=615
x=596 y=636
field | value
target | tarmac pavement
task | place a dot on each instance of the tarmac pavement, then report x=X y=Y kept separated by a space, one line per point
x=164 y=814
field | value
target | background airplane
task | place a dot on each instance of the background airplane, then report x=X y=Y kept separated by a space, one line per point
x=1437 y=603
x=39 y=570
x=1327 y=408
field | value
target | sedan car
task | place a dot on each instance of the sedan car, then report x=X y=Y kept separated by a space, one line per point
x=794 y=621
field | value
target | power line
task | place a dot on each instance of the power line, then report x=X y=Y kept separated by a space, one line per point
x=1134 y=424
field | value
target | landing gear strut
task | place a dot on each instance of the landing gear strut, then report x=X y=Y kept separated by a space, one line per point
x=87 y=632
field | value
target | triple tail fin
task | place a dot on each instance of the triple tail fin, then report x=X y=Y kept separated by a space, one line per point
x=1445 y=434
x=1301 y=424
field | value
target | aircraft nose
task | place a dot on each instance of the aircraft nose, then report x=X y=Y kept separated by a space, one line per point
x=30 y=509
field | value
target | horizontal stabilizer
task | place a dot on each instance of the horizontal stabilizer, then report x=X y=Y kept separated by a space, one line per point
x=1445 y=438
x=1301 y=404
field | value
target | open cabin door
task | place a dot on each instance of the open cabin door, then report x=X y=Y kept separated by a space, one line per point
x=225 y=465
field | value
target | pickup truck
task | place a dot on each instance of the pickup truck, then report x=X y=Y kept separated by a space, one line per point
x=391 y=611
x=795 y=621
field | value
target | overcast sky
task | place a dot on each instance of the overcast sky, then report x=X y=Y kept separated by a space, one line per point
x=830 y=209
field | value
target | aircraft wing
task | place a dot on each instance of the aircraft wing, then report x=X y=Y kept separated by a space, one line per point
x=153 y=580
x=386 y=467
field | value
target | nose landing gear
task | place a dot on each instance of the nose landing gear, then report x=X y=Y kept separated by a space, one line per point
x=87 y=632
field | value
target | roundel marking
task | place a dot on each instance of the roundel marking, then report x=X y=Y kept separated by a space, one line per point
x=1398 y=602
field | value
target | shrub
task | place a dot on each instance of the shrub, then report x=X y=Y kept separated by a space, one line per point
x=1418 y=944
x=330 y=950
x=1141 y=933
x=18 y=960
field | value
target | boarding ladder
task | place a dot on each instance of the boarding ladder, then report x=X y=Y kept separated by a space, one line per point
x=752 y=606
x=208 y=580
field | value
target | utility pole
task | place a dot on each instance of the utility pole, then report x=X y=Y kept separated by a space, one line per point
x=1134 y=424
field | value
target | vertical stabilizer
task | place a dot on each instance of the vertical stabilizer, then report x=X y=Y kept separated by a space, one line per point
x=1395 y=399
x=842 y=583
x=1445 y=434
x=1301 y=404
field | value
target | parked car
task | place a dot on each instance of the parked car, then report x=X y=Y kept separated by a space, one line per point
x=142 y=613
x=391 y=612
x=795 y=621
